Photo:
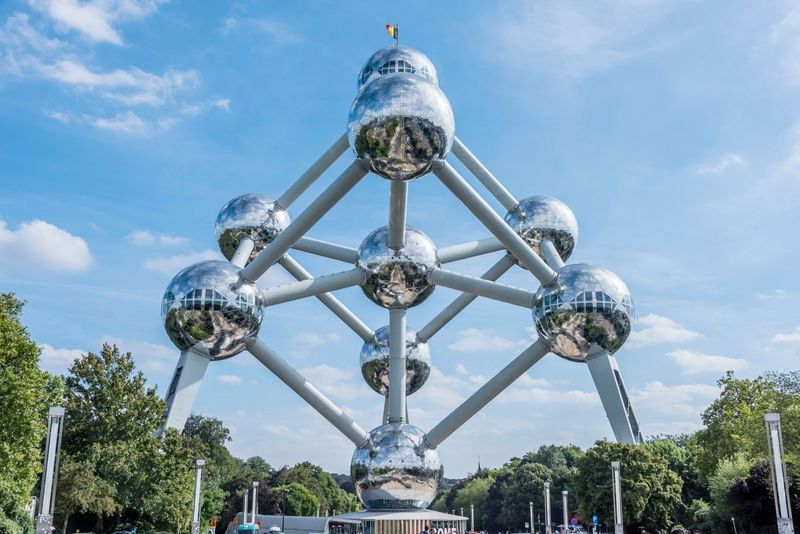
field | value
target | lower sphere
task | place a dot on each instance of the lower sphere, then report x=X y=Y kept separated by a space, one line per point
x=394 y=476
x=375 y=361
x=205 y=307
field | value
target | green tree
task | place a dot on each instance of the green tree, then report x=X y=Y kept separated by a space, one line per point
x=25 y=394
x=81 y=490
x=524 y=486
x=297 y=499
x=474 y=492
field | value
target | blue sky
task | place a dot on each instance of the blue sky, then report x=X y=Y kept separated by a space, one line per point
x=672 y=129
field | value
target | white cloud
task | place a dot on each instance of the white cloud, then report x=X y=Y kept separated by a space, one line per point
x=150 y=357
x=59 y=116
x=39 y=246
x=695 y=363
x=58 y=360
x=195 y=109
x=460 y=369
x=726 y=162
x=791 y=337
x=776 y=294
x=652 y=329
x=305 y=343
x=478 y=340
x=539 y=396
x=146 y=237
x=229 y=379
x=785 y=36
x=94 y=19
x=172 y=264
x=679 y=400
x=337 y=382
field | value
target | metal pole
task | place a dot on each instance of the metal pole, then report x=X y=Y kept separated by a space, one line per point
x=315 y=171
x=398 y=199
x=289 y=376
x=565 y=504
x=470 y=249
x=312 y=287
x=734 y=525
x=246 y=495
x=780 y=482
x=397 y=366
x=499 y=228
x=462 y=301
x=255 y=501
x=332 y=303
x=472 y=517
x=548 y=525
x=198 y=476
x=530 y=505
x=308 y=218
x=326 y=249
x=243 y=251
x=483 y=175
x=615 y=399
x=551 y=255
x=481 y=287
x=485 y=394
x=618 y=526
x=47 y=496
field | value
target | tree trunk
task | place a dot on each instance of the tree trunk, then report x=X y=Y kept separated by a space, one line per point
x=66 y=518
x=98 y=526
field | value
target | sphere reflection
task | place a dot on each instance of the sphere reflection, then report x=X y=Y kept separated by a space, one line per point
x=375 y=361
x=397 y=58
x=540 y=217
x=253 y=216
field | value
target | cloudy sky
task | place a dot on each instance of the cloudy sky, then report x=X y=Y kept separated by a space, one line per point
x=672 y=129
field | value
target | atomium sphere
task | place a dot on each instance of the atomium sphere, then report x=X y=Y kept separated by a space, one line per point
x=397 y=59
x=375 y=361
x=394 y=475
x=401 y=125
x=587 y=310
x=253 y=216
x=539 y=217
x=397 y=280
x=201 y=305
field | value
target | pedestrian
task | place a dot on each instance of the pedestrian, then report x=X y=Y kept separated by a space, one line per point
x=426 y=530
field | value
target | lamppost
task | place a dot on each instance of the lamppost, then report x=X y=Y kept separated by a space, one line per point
x=780 y=482
x=461 y=511
x=548 y=525
x=617 y=493
x=196 y=508
x=733 y=520
x=255 y=500
x=52 y=448
x=564 y=494
x=472 y=517
x=285 y=492
x=530 y=505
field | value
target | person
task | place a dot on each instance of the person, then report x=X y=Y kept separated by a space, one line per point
x=426 y=530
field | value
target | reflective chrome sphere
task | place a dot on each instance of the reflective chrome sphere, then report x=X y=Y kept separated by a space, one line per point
x=201 y=306
x=253 y=216
x=540 y=217
x=397 y=59
x=401 y=125
x=375 y=361
x=397 y=280
x=586 y=311
x=394 y=476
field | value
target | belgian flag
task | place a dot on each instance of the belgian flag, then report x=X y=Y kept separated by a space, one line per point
x=393 y=31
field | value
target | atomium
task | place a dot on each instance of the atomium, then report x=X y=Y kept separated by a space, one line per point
x=397 y=279
x=375 y=361
x=394 y=472
x=588 y=311
x=539 y=217
x=249 y=216
x=206 y=308
x=400 y=127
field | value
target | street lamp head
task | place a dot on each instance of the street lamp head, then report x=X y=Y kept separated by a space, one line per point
x=249 y=216
x=587 y=311
x=207 y=307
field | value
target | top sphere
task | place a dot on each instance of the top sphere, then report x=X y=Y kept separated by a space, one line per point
x=207 y=304
x=397 y=58
x=540 y=217
x=587 y=311
x=253 y=216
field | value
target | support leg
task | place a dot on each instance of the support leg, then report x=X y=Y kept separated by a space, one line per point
x=398 y=199
x=397 y=366
x=313 y=172
x=484 y=288
x=183 y=388
x=313 y=286
x=611 y=388
x=483 y=175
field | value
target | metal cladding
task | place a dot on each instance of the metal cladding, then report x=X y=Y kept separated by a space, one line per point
x=587 y=311
x=253 y=216
x=397 y=279
x=540 y=217
x=396 y=474
x=400 y=123
x=375 y=361
x=201 y=306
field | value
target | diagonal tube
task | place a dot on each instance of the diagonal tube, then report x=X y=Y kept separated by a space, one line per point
x=463 y=300
x=483 y=175
x=308 y=218
x=485 y=394
x=398 y=199
x=312 y=287
x=551 y=255
x=314 y=397
x=326 y=249
x=397 y=365
x=469 y=249
x=482 y=287
x=333 y=304
x=315 y=171
x=243 y=251
x=501 y=230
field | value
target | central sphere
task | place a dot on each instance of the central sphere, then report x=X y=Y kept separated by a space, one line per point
x=401 y=124
x=394 y=476
x=375 y=361
x=206 y=303
x=587 y=310
x=397 y=279
x=253 y=216
x=540 y=217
